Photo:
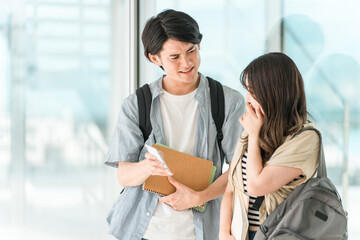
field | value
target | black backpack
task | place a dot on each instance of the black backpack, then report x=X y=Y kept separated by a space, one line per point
x=312 y=211
x=217 y=109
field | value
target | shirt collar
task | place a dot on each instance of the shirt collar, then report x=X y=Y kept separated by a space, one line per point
x=157 y=87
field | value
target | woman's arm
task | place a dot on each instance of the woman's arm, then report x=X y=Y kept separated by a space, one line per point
x=226 y=212
x=264 y=180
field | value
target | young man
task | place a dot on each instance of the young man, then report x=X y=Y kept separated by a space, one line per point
x=181 y=119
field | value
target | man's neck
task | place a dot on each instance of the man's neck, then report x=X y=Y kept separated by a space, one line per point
x=180 y=88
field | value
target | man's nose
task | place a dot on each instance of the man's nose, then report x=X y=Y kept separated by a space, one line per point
x=185 y=61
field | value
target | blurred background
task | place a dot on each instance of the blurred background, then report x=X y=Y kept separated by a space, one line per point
x=66 y=66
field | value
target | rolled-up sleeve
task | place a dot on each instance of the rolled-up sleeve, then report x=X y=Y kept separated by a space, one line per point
x=127 y=140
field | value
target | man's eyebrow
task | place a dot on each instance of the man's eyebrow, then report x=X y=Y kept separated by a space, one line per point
x=177 y=54
x=191 y=48
x=174 y=55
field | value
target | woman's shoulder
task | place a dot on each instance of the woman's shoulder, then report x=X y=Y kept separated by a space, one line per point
x=296 y=147
x=306 y=136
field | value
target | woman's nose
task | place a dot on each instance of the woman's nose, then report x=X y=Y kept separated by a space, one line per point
x=248 y=97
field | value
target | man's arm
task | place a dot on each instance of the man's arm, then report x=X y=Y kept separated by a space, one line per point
x=126 y=145
x=184 y=197
x=135 y=173
x=216 y=189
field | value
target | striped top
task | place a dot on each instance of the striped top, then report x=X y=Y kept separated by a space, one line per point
x=253 y=214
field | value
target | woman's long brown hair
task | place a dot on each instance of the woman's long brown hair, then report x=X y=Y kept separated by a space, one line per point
x=277 y=85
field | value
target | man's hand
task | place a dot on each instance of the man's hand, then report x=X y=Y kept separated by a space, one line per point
x=135 y=174
x=151 y=166
x=183 y=198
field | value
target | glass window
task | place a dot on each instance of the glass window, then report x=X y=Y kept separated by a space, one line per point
x=54 y=113
x=322 y=39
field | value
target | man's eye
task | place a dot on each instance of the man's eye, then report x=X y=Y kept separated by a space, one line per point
x=173 y=58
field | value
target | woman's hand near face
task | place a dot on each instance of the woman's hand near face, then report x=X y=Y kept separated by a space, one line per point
x=252 y=120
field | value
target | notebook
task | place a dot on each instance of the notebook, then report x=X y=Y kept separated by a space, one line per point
x=194 y=172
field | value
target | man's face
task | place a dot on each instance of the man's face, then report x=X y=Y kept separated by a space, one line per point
x=180 y=60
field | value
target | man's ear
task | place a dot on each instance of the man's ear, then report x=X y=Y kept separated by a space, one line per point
x=155 y=59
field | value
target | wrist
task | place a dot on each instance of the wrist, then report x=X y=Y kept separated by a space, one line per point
x=200 y=198
x=223 y=234
x=142 y=171
x=254 y=138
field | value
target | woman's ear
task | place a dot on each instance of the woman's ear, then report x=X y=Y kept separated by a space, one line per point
x=155 y=59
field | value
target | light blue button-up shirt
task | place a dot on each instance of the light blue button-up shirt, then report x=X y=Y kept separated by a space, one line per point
x=131 y=212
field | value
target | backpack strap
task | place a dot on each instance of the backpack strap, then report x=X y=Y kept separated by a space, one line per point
x=144 y=98
x=217 y=109
x=321 y=171
x=257 y=204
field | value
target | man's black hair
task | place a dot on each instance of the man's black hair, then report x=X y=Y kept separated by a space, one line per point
x=169 y=24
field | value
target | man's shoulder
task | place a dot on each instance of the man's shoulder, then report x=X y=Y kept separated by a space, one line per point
x=229 y=92
x=154 y=87
x=232 y=94
x=131 y=99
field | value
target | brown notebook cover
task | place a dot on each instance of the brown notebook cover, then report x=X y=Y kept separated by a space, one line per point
x=189 y=170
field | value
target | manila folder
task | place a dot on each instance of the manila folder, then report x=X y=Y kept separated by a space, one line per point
x=189 y=170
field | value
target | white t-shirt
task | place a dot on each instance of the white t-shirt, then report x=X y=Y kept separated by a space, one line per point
x=179 y=114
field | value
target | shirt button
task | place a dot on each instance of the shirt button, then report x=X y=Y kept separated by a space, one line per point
x=147 y=214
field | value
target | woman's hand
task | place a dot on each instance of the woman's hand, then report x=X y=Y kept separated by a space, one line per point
x=252 y=120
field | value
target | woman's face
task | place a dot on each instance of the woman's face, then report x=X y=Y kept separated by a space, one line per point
x=250 y=99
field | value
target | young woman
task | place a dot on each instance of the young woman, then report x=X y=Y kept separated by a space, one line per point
x=267 y=161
